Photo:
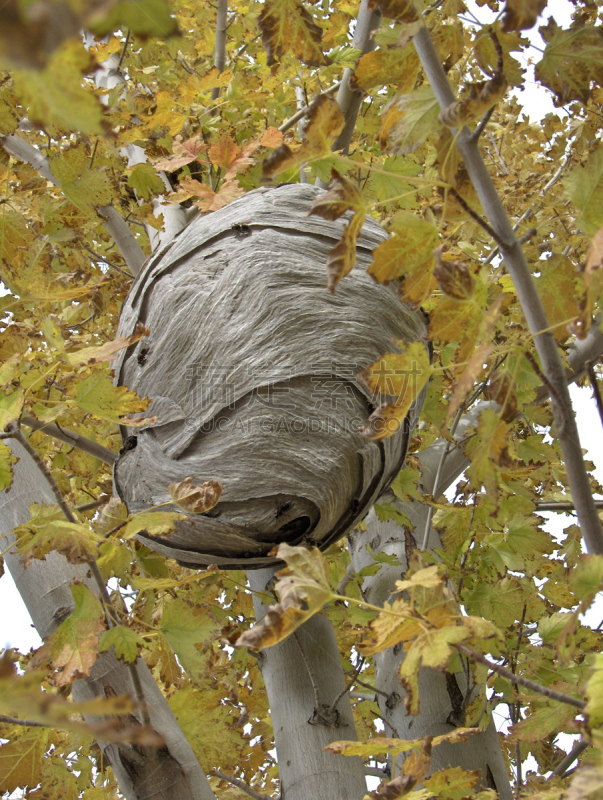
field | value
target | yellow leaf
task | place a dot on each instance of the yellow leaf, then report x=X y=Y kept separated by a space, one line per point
x=105 y=352
x=97 y=395
x=572 y=59
x=73 y=646
x=303 y=589
x=325 y=122
x=153 y=523
x=288 y=28
x=11 y=406
x=409 y=249
x=21 y=760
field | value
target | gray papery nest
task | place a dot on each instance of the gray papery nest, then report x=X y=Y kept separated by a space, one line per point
x=252 y=369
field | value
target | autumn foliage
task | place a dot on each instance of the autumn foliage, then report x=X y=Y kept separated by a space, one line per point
x=501 y=586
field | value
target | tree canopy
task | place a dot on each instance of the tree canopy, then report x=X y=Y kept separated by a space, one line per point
x=409 y=116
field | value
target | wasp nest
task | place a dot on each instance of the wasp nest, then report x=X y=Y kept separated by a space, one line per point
x=252 y=366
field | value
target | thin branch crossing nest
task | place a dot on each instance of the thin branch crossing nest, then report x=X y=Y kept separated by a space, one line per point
x=252 y=369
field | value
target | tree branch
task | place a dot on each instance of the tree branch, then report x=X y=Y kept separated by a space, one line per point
x=114 y=223
x=304 y=111
x=518 y=679
x=74 y=439
x=142 y=773
x=244 y=787
x=348 y=99
x=531 y=304
x=573 y=754
x=220 y=46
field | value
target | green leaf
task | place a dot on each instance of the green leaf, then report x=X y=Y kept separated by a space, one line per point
x=145 y=181
x=83 y=186
x=418 y=119
x=189 y=631
x=153 y=523
x=97 y=395
x=11 y=406
x=543 y=722
x=586 y=580
x=584 y=187
x=155 y=20
x=7 y=459
x=572 y=60
x=125 y=641
x=594 y=693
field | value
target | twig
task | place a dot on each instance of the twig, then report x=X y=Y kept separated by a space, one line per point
x=482 y=123
x=30 y=723
x=562 y=506
x=333 y=705
x=303 y=111
x=595 y=387
x=74 y=439
x=388 y=723
x=347 y=579
x=93 y=504
x=317 y=703
x=372 y=688
x=123 y=50
x=529 y=299
x=573 y=754
x=349 y=100
x=476 y=217
x=244 y=787
x=375 y=772
x=492 y=141
x=105 y=260
x=518 y=679
x=551 y=390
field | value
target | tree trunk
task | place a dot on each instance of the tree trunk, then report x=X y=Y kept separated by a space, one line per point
x=170 y=773
x=306 y=773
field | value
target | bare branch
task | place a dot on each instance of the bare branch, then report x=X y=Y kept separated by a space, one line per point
x=595 y=387
x=531 y=303
x=244 y=787
x=74 y=439
x=30 y=723
x=573 y=754
x=220 y=46
x=304 y=111
x=349 y=100
x=518 y=679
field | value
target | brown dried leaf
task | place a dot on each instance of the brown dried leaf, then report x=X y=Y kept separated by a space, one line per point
x=482 y=96
x=500 y=389
x=183 y=153
x=400 y=10
x=453 y=277
x=289 y=29
x=342 y=196
x=325 y=122
x=521 y=14
x=195 y=499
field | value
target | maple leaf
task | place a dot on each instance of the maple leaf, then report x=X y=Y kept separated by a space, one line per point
x=183 y=152
x=125 y=641
x=287 y=27
x=195 y=499
x=417 y=115
x=325 y=122
x=397 y=375
x=408 y=250
x=342 y=196
x=486 y=450
x=7 y=459
x=303 y=589
x=521 y=14
x=21 y=760
x=97 y=395
x=189 y=631
x=399 y=10
x=572 y=60
x=153 y=523
x=83 y=186
x=145 y=181
x=105 y=352
x=73 y=646
x=11 y=406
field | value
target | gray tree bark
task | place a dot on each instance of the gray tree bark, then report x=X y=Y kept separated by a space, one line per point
x=142 y=772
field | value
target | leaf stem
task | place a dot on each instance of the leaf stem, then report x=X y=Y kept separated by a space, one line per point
x=518 y=679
